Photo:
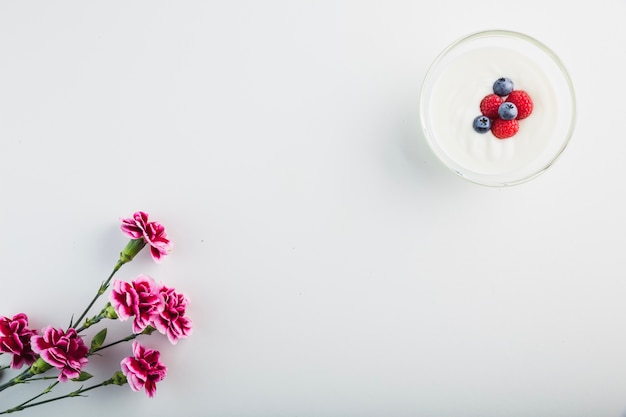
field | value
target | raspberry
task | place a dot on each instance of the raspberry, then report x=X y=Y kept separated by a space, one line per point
x=503 y=129
x=489 y=106
x=523 y=102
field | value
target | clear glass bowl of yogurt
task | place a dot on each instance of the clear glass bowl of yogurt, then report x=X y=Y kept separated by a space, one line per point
x=458 y=80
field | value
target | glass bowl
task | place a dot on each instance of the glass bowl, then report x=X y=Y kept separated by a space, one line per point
x=458 y=80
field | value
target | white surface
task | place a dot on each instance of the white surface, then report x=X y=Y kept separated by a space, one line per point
x=335 y=268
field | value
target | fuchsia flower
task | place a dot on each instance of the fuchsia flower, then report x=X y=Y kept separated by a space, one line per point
x=15 y=339
x=144 y=369
x=171 y=320
x=139 y=298
x=152 y=233
x=158 y=306
x=66 y=351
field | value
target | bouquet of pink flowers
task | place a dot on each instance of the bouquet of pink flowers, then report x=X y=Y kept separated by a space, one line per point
x=152 y=307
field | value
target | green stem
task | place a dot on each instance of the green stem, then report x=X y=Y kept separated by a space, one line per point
x=101 y=290
x=147 y=331
x=76 y=393
x=44 y=392
x=103 y=314
x=126 y=339
x=21 y=378
x=43 y=378
x=91 y=322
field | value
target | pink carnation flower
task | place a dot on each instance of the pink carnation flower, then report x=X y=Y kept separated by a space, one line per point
x=153 y=233
x=171 y=320
x=143 y=370
x=66 y=351
x=15 y=339
x=140 y=298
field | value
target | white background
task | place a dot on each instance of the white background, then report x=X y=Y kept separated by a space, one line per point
x=334 y=267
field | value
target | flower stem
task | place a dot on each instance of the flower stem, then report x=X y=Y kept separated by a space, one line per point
x=43 y=378
x=90 y=322
x=77 y=393
x=22 y=406
x=126 y=339
x=21 y=378
x=148 y=331
x=107 y=312
x=101 y=290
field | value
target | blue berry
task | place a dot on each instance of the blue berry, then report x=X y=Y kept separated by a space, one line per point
x=482 y=124
x=503 y=86
x=507 y=111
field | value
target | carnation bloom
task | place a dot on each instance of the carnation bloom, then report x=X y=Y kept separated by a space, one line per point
x=15 y=339
x=140 y=298
x=66 y=351
x=143 y=370
x=152 y=233
x=171 y=320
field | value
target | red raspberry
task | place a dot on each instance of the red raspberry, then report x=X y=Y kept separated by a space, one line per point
x=522 y=101
x=489 y=105
x=503 y=129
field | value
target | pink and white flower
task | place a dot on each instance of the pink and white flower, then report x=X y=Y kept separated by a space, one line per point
x=143 y=369
x=66 y=351
x=140 y=298
x=153 y=305
x=152 y=233
x=15 y=339
x=171 y=320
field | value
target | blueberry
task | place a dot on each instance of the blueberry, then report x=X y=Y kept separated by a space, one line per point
x=503 y=86
x=507 y=111
x=482 y=124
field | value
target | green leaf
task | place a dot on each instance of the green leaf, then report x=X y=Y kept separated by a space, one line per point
x=82 y=377
x=98 y=339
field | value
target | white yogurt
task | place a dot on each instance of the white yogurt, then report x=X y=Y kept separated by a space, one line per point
x=451 y=101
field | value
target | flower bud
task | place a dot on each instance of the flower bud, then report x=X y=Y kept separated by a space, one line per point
x=118 y=378
x=148 y=330
x=133 y=247
x=39 y=367
x=109 y=312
